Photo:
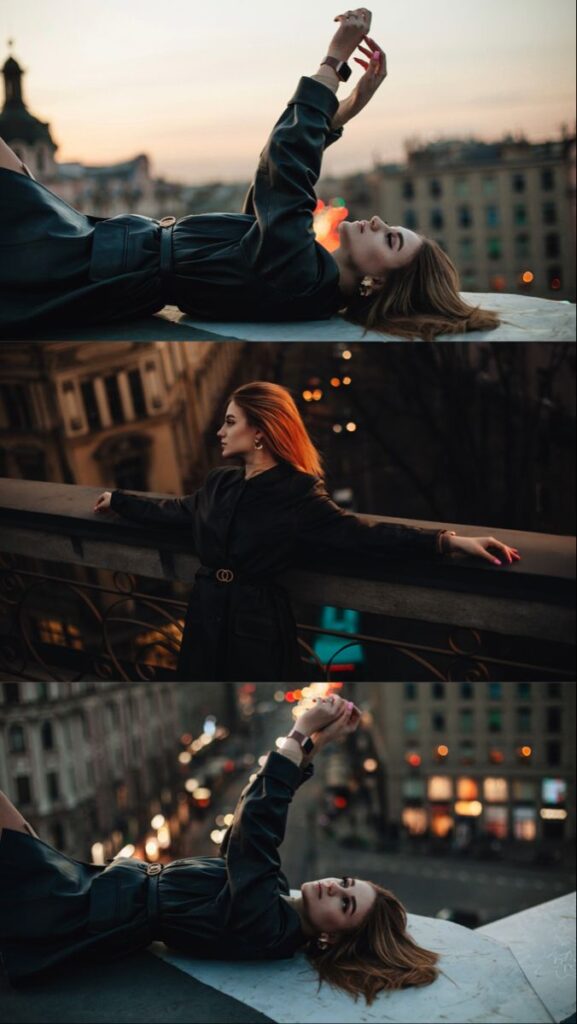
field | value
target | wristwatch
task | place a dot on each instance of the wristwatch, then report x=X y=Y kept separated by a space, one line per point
x=306 y=744
x=341 y=67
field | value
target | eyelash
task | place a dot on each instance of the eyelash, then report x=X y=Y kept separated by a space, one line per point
x=345 y=899
x=390 y=240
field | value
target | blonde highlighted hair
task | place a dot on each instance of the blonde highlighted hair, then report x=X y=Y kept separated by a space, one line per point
x=379 y=955
x=421 y=301
x=272 y=409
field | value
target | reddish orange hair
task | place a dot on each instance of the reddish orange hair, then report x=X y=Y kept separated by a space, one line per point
x=272 y=409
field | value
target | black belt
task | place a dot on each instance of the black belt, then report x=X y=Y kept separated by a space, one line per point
x=166 y=261
x=154 y=872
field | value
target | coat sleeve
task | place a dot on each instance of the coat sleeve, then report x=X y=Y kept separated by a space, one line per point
x=281 y=245
x=159 y=511
x=251 y=847
x=322 y=523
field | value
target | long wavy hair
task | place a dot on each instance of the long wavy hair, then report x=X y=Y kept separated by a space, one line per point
x=378 y=955
x=272 y=409
x=420 y=301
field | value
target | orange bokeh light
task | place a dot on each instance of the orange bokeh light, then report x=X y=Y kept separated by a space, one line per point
x=326 y=223
x=528 y=277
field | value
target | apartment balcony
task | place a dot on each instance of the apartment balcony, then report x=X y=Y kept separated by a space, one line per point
x=83 y=597
x=526 y=318
x=520 y=969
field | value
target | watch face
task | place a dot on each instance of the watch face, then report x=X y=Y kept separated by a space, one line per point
x=308 y=745
x=344 y=72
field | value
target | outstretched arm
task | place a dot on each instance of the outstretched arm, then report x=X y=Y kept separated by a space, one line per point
x=160 y=511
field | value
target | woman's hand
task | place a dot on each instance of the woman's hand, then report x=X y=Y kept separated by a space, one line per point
x=324 y=712
x=480 y=547
x=366 y=87
x=342 y=726
x=353 y=28
x=103 y=503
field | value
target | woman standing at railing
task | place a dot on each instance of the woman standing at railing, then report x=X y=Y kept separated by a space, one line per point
x=249 y=524
x=60 y=267
x=55 y=910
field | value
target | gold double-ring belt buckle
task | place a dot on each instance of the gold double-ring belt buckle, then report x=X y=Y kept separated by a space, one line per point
x=167 y=222
x=224 y=575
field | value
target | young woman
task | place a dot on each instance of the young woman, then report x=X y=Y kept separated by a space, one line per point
x=60 y=267
x=54 y=909
x=248 y=525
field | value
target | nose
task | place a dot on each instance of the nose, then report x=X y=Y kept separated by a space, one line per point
x=376 y=223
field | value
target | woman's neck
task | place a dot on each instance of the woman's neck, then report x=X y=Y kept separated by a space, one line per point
x=258 y=462
x=297 y=904
x=349 y=278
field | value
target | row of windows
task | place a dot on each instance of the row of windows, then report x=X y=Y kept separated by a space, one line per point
x=467 y=752
x=116 y=406
x=493 y=218
x=463 y=187
x=494 y=720
x=493 y=691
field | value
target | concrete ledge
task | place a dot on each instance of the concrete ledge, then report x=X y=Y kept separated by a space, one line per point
x=526 y=319
x=542 y=940
x=481 y=981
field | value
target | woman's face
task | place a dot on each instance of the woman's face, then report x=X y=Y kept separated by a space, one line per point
x=236 y=436
x=337 y=904
x=373 y=247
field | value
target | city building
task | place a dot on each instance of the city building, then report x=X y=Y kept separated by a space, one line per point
x=475 y=761
x=503 y=211
x=135 y=415
x=89 y=765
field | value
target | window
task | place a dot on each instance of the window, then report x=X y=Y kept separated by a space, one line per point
x=549 y=213
x=411 y=220
x=466 y=249
x=410 y=691
x=435 y=188
x=12 y=693
x=553 y=752
x=494 y=249
x=466 y=720
x=496 y=790
x=466 y=752
x=17 y=405
x=413 y=788
x=520 y=216
x=16 y=739
x=114 y=399
x=467 y=789
x=90 y=405
x=522 y=246
x=518 y=183
x=137 y=393
x=47 y=736
x=415 y=820
x=554 y=278
x=523 y=691
x=53 y=786
x=466 y=691
x=489 y=186
x=523 y=790
x=496 y=823
x=523 y=720
x=553 y=719
x=437 y=220
x=495 y=720
x=524 y=823
x=462 y=188
x=440 y=787
x=23 y=791
x=438 y=722
x=411 y=721
x=408 y=189
x=495 y=691
x=548 y=180
x=464 y=217
x=438 y=691
x=552 y=245
x=492 y=217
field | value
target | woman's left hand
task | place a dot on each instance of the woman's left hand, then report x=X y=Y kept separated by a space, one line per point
x=483 y=547
x=366 y=87
x=346 y=723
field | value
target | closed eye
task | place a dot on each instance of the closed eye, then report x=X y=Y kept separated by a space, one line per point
x=390 y=240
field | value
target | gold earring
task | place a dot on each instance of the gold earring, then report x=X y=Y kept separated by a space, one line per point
x=366 y=286
x=258 y=445
x=323 y=943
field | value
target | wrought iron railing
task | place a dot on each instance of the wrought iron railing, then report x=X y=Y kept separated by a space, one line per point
x=86 y=598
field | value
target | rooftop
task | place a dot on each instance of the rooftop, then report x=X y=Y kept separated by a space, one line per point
x=526 y=319
x=519 y=969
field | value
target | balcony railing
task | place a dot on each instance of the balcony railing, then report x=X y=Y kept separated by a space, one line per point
x=83 y=597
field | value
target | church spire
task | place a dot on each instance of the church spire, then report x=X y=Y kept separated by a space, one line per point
x=12 y=82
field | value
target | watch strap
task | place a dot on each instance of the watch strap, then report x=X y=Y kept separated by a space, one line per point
x=341 y=67
x=305 y=742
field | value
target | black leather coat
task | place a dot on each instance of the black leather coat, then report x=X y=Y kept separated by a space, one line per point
x=60 y=267
x=54 y=909
x=243 y=629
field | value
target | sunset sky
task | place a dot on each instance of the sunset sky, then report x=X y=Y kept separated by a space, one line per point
x=198 y=85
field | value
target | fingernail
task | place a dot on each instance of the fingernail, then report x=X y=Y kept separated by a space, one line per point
x=496 y=561
x=376 y=55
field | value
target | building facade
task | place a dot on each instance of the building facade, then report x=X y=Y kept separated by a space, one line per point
x=89 y=765
x=472 y=760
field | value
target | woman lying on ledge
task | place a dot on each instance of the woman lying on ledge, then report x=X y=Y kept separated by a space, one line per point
x=233 y=907
x=63 y=268
x=248 y=525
